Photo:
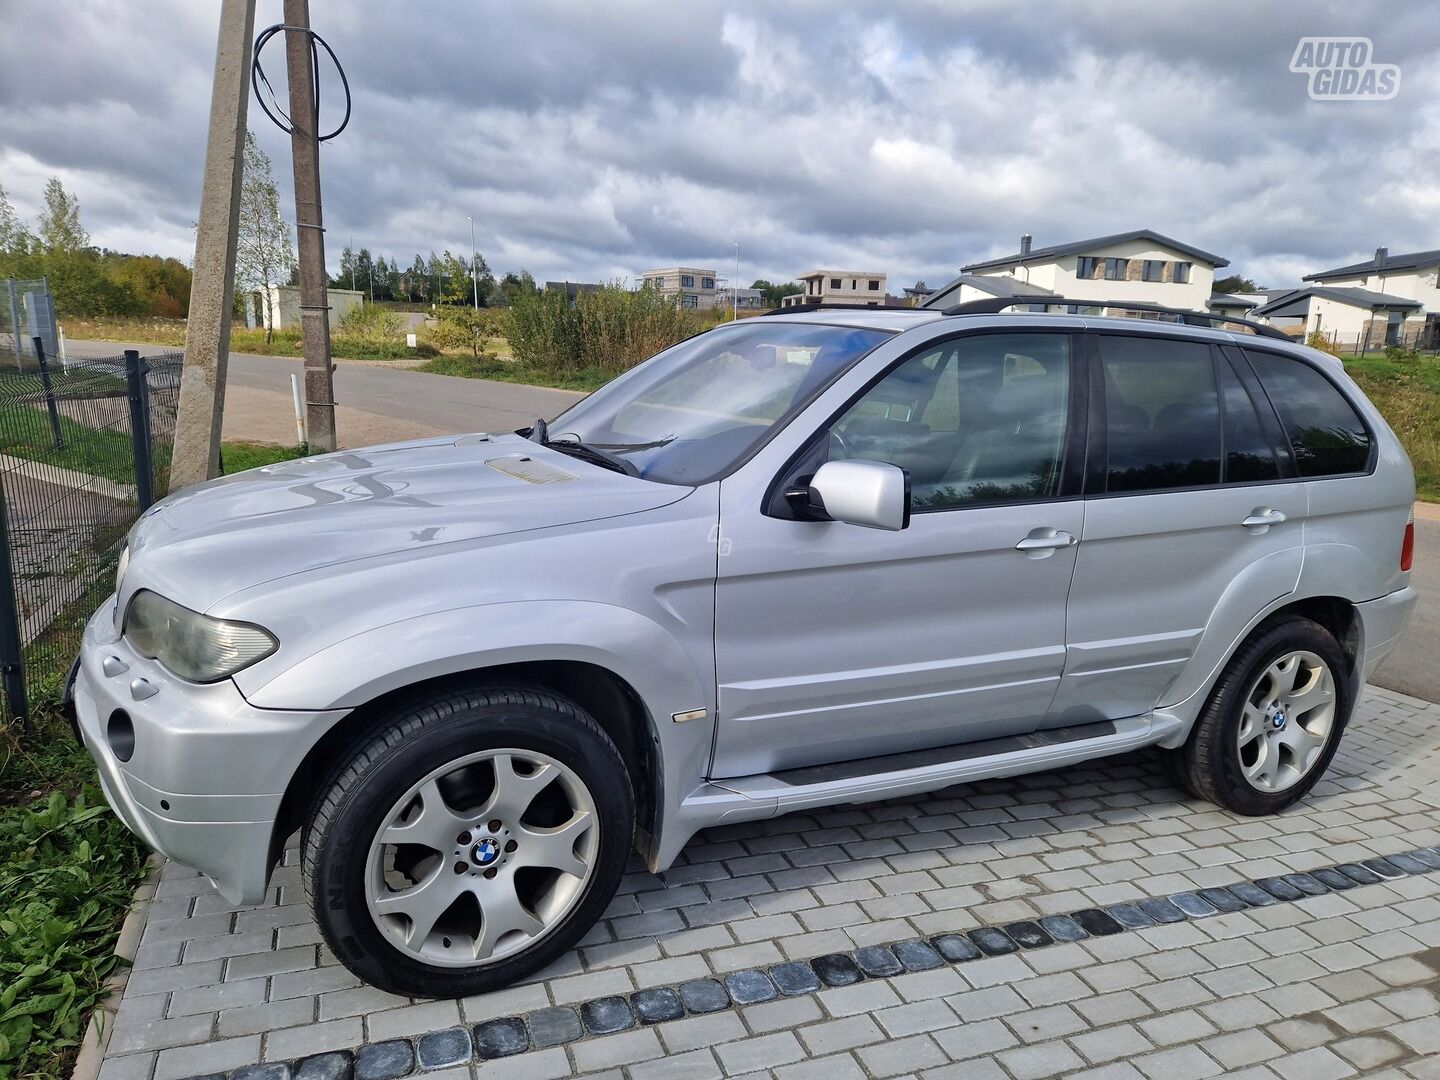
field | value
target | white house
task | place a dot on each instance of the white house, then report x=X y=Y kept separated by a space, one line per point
x=865 y=287
x=1142 y=267
x=1414 y=276
x=1358 y=319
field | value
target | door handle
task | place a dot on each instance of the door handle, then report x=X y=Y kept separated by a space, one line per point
x=1262 y=517
x=1041 y=542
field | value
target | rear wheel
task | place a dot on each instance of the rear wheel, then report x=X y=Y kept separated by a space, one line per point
x=469 y=842
x=1273 y=721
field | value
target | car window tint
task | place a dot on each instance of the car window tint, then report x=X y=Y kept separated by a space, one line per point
x=1249 y=457
x=1162 y=414
x=978 y=420
x=1325 y=432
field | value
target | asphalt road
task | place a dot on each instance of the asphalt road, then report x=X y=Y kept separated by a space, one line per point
x=430 y=404
x=382 y=403
x=1414 y=667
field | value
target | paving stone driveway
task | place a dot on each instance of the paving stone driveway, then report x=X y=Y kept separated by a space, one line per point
x=1341 y=984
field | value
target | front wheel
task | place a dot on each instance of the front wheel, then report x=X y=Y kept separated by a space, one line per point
x=469 y=842
x=1273 y=721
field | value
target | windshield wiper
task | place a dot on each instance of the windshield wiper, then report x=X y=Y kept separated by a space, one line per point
x=540 y=433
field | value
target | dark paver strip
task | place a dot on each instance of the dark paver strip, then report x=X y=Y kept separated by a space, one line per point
x=599 y=1017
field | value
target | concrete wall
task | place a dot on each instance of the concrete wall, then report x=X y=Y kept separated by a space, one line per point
x=283 y=311
x=854 y=287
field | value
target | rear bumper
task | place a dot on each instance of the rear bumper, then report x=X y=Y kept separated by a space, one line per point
x=1384 y=621
x=207 y=773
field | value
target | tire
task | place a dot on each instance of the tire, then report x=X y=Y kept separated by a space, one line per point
x=1227 y=762
x=466 y=755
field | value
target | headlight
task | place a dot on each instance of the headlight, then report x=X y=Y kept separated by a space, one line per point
x=194 y=646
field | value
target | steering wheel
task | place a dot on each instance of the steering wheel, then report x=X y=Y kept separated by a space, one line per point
x=836 y=443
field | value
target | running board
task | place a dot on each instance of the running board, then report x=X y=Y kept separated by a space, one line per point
x=748 y=798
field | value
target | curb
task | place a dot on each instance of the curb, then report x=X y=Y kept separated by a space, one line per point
x=97 y=1032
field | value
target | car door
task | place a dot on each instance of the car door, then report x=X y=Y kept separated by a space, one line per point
x=835 y=642
x=1192 y=520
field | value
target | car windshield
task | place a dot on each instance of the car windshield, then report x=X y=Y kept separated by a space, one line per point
x=688 y=414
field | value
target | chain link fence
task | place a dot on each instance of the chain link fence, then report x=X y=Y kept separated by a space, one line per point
x=83 y=448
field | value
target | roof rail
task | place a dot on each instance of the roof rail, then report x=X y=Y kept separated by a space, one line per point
x=992 y=304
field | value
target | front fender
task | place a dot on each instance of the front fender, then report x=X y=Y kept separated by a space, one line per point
x=655 y=664
x=360 y=668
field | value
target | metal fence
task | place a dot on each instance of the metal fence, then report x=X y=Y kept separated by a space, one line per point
x=83 y=448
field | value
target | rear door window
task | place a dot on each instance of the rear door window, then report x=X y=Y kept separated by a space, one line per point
x=1249 y=455
x=1326 y=434
x=1162 y=414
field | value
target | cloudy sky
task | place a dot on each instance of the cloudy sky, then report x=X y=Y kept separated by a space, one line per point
x=592 y=140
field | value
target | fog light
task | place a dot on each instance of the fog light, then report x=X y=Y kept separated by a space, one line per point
x=120 y=733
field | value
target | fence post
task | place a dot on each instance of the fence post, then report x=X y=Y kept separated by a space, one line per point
x=138 y=391
x=12 y=655
x=49 y=388
x=15 y=324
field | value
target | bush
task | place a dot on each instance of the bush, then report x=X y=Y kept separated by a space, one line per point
x=611 y=329
x=464 y=328
x=369 y=332
x=1316 y=339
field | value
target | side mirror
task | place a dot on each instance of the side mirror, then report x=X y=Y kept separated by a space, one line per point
x=874 y=494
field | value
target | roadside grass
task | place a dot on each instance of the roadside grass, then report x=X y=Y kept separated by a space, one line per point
x=107 y=453
x=68 y=869
x=1407 y=393
x=171 y=333
x=96 y=451
x=504 y=370
x=239 y=456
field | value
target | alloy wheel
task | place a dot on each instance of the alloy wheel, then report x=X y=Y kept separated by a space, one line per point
x=482 y=858
x=1286 y=722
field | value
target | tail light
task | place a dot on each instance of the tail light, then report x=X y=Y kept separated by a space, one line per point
x=1407 y=546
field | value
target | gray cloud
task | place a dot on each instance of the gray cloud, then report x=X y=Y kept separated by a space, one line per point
x=592 y=141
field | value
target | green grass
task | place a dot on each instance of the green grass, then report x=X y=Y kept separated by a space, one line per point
x=238 y=456
x=96 y=451
x=509 y=371
x=68 y=869
x=1407 y=393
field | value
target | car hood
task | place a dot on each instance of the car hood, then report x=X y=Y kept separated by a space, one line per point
x=217 y=538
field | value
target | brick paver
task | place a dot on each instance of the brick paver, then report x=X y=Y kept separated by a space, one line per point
x=1341 y=984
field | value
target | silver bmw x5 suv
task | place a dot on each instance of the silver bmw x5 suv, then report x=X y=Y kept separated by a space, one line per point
x=826 y=557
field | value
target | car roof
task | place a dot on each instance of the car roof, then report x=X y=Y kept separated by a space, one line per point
x=901 y=320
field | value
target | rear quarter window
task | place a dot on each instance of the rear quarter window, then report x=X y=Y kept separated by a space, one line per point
x=1326 y=433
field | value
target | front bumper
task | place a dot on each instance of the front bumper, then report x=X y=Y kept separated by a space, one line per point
x=205 y=779
x=1384 y=621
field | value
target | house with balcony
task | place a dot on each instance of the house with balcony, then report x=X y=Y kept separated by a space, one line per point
x=695 y=286
x=839 y=287
x=1103 y=273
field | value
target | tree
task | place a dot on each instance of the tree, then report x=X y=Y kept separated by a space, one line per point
x=14 y=236
x=1235 y=283
x=346 y=278
x=772 y=293
x=264 y=255
x=60 y=228
x=514 y=285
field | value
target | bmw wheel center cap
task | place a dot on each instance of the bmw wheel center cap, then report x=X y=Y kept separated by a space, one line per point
x=486 y=851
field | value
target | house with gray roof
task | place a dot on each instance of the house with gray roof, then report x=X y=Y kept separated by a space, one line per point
x=1350 y=318
x=1141 y=266
x=1413 y=276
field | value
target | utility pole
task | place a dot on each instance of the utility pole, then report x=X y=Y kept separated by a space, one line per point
x=309 y=223
x=207 y=331
x=735 y=292
x=474 y=281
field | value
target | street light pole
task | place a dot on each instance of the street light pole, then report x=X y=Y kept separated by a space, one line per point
x=735 y=292
x=474 y=281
